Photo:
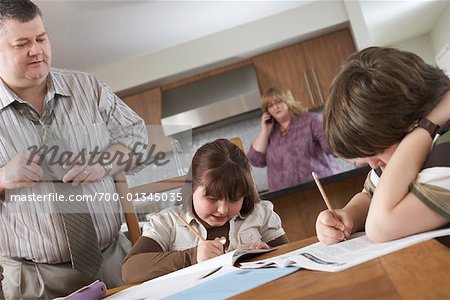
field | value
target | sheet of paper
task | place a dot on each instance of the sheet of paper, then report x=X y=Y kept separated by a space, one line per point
x=231 y=284
x=341 y=256
x=188 y=277
x=165 y=286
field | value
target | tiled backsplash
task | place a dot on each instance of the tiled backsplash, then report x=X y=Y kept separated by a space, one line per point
x=246 y=128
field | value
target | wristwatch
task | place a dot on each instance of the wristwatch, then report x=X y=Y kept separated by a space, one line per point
x=108 y=168
x=427 y=125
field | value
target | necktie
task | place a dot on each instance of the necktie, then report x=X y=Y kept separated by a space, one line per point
x=85 y=253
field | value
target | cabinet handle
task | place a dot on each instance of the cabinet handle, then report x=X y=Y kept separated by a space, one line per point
x=311 y=98
x=317 y=85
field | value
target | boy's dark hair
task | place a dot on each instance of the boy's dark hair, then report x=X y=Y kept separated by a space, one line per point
x=224 y=170
x=20 y=10
x=376 y=97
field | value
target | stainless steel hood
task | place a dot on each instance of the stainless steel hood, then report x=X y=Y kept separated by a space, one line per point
x=210 y=100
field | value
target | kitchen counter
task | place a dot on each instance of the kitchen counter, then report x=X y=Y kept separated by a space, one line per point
x=299 y=206
x=266 y=195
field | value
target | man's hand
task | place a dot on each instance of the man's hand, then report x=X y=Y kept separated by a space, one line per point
x=21 y=171
x=83 y=173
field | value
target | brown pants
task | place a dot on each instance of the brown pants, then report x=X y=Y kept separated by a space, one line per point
x=29 y=280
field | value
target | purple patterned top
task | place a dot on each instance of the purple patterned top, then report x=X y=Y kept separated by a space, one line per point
x=291 y=158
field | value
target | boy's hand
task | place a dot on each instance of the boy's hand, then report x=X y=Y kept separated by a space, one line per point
x=331 y=230
x=209 y=249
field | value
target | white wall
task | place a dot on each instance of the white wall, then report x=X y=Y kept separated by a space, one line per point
x=226 y=45
x=440 y=33
x=361 y=35
x=420 y=45
x=440 y=40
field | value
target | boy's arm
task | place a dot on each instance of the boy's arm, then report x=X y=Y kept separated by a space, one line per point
x=357 y=209
x=394 y=212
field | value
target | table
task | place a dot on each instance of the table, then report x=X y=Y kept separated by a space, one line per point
x=420 y=271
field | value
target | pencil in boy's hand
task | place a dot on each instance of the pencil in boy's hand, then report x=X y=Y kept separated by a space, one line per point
x=324 y=196
x=322 y=192
x=191 y=228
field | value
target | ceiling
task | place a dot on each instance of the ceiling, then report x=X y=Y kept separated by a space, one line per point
x=87 y=35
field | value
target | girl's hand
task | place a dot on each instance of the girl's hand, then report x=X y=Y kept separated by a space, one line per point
x=258 y=245
x=209 y=249
x=331 y=230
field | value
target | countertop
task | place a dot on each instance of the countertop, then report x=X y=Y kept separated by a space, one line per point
x=265 y=195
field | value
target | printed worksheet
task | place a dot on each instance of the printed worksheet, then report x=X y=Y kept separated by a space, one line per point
x=356 y=250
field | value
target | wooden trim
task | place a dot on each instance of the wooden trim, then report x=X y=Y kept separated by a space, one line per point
x=159 y=186
x=127 y=206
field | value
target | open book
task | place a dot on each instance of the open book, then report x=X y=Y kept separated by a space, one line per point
x=341 y=256
x=189 y=277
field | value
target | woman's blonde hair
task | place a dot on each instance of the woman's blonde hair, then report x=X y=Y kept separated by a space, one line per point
x=284 y=94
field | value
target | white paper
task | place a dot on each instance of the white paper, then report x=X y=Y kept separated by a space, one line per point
x=188 y=277
x=341 y=256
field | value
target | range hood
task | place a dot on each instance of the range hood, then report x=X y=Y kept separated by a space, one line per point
x=210 y=100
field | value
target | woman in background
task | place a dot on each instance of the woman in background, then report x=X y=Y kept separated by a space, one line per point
x=291 y=142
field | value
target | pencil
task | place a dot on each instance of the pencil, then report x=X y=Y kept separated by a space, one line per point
x=191 y=228
x=322 y=192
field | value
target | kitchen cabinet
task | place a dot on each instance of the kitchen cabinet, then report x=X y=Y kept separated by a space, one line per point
x=286 y=68
x=306 y=68
x=148 y=106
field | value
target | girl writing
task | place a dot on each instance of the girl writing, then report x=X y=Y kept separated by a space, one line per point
x=223 y=202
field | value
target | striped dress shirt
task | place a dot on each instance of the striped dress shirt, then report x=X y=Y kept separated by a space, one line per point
x=87 y=114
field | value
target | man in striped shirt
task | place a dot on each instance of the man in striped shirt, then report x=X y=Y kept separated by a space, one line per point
x=36 y=101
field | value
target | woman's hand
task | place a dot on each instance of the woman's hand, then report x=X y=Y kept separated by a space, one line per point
x=209 y=249
x=333 y=228
x=266 y=125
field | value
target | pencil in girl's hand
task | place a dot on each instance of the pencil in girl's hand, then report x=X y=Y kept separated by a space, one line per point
x=191 y=228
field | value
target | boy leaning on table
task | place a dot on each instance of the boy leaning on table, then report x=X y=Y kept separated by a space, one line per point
x=391 y=107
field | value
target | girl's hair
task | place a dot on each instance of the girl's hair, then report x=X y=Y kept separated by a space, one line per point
x=376 y=97
x=274 y=92
x=224 y=170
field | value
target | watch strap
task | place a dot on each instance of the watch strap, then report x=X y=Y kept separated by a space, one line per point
x=428 y=126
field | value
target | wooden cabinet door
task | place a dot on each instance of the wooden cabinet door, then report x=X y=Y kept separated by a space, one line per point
x=148 y=106
x=324 y=55
x=286 y=68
